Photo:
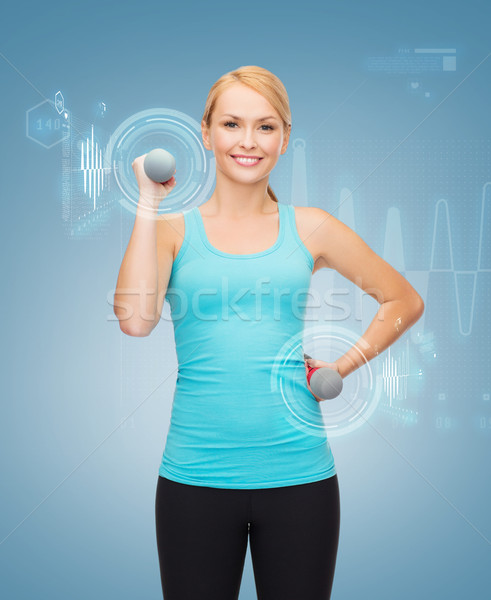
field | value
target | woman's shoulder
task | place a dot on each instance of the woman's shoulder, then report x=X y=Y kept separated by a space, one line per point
x=309 y=216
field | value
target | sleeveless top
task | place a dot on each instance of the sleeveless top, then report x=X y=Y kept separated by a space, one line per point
x=242 y=415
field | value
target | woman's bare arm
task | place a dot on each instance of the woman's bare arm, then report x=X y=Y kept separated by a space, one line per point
x=400 y=304
x=147 y=263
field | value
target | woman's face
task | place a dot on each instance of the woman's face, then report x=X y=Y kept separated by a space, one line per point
x=239 y=127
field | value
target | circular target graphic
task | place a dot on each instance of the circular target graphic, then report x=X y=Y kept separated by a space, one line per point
x=177 y=133
x=361 y=389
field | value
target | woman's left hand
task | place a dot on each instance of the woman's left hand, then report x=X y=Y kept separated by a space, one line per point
x=318 y=363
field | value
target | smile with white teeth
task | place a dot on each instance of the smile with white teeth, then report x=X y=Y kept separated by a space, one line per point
x=246 y=161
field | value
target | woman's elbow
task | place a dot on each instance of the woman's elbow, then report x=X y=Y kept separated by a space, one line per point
x=418 y=306
x=133 y=330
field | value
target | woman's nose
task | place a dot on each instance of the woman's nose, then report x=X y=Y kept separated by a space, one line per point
x=248 y=140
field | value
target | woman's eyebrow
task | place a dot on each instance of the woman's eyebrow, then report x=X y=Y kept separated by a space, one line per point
x=239 y=119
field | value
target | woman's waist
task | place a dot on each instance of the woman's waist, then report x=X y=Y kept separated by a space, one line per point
x=256 y=377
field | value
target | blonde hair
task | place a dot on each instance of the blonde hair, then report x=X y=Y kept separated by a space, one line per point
x=262 y=81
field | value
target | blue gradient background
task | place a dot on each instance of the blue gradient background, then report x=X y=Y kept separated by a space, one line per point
x=77 y=517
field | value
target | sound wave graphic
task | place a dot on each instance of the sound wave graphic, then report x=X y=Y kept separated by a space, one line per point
x=465 y=282
x=442 y=259
x=393 y=371
x=92 y=167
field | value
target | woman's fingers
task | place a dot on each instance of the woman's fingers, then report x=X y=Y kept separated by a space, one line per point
x=321 y=363
x=315 y=363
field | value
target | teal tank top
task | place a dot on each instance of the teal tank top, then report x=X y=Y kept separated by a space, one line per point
x=242 y=415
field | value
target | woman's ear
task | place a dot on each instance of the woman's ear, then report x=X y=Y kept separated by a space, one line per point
x=286 y=138
x=205 y=135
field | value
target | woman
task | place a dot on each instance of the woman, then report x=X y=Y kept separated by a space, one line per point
x=236 y=466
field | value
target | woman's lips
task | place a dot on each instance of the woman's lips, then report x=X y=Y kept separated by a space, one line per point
x=245 y=162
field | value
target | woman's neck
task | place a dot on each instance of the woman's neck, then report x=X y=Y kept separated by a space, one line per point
x=234 y=200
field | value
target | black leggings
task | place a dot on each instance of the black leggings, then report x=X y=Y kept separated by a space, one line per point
x=202 y=536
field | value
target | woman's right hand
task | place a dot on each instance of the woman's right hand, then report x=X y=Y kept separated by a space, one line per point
x=151 y=193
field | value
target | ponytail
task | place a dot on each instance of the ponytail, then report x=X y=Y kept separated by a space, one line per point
x=271 y=194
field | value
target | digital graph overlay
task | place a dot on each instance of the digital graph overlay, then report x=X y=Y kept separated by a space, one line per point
x=92 y=167
x=86 y=201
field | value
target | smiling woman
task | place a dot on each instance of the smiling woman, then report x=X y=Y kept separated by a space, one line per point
x=246 y=455
x=235 y=465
